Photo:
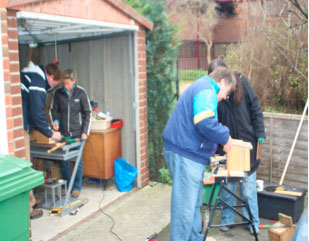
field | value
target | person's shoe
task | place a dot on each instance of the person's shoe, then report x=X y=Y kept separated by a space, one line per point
x=36 y=213
x=38 y=203
x=75 y=194
x=63 y=192
x=224 y=228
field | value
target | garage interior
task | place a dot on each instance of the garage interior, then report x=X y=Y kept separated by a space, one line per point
x=103 y=57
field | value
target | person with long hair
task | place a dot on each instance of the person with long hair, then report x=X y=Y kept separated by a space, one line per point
x=242 y=114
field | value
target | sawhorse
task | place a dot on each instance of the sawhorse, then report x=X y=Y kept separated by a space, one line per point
x=222 y=181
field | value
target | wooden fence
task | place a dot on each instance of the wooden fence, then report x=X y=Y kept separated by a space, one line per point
x=280 y=133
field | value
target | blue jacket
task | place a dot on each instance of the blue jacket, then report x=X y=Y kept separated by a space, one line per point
x=193 y=129
x=33 y=90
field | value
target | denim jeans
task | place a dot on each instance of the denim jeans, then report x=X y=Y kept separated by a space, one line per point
x=187 y=176
x=66 y=174
x=247 y=193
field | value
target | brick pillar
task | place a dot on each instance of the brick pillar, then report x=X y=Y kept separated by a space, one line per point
x=143 y=120
x=12 y=85
x=7 y=80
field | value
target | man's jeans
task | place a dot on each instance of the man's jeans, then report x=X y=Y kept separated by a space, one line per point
x=187 y=176
x=66 y=174
x=249 y=194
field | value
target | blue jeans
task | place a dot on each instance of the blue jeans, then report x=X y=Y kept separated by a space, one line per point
x=247 y=193
x=66 y=174
x=187 y=176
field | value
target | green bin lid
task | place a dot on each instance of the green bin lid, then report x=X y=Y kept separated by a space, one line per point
x=17 y=176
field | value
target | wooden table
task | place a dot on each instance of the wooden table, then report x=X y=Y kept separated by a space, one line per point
x=101 y=150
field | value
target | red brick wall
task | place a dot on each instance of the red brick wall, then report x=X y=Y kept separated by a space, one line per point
x=12 y=83
x=143 y=120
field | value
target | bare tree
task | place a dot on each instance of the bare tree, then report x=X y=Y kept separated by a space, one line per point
x=201 y=17
x=274 y=50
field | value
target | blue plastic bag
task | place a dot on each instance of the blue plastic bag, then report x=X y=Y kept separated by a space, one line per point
x=125 y=175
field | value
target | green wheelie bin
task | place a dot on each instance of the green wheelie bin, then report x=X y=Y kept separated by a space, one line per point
x=17 y=178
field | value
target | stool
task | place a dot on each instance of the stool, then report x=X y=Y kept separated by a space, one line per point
x=54 y=188
x=221 y=181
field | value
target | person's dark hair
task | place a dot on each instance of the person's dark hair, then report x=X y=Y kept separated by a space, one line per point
x=220 y=73
x=237 y=94
x=53 y=69
x=216 y=63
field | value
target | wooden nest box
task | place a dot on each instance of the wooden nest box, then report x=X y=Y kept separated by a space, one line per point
x=238 y=159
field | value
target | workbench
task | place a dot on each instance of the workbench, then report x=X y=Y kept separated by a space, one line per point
x=70 y=152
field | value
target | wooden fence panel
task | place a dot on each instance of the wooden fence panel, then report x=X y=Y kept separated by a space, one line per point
x=280 y=134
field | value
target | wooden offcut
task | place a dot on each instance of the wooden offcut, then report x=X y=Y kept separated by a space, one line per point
x=238 y=159
x=41 y=139
x=282 y=234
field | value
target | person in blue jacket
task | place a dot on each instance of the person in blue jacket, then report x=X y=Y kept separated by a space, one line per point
x=242 y=114
x=35 y=80
x=189 y=137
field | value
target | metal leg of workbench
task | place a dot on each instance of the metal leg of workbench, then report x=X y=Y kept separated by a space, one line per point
x=67 y=206
x=244 y=204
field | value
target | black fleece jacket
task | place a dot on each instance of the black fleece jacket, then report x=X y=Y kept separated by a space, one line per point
x=245 y=121
x=73 y=112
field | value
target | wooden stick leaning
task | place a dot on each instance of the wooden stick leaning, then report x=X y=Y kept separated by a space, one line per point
x=294 y=143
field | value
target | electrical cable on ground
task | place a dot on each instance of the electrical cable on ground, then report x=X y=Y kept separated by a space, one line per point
x=96 y=158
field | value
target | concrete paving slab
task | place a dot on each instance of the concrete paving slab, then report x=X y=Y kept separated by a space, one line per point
x=138 y=215
x=51 y=227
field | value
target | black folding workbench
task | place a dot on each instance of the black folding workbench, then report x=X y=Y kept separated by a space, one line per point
x=70 y=152
x=222 y=180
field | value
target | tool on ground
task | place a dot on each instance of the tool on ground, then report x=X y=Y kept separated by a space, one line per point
x=151 y=237
x=56 y=147
x=263 y=226
x=57 y=211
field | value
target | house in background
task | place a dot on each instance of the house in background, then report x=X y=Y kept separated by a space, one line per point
x=232 y=26
x=103 y=42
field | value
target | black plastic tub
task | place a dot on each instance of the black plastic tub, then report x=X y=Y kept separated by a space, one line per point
x=270 y=203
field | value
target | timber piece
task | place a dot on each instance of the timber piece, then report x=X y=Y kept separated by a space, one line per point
x=296 y=194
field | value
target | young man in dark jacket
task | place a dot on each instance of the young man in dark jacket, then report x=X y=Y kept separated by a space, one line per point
x=189 y=136
x=35 y=80
x=242 y=114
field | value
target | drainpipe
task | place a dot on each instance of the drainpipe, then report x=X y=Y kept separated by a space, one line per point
x=3 y=127
x=137 y=125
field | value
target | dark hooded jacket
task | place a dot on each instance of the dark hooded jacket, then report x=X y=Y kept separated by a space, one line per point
x=245 y=121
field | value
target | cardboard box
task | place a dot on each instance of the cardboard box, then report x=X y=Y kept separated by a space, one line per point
x=282 y=234
x=238 y=159
x=98 y=125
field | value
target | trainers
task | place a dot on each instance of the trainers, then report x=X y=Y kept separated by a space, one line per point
x=225 y=228
x=75 y=194
x=37 y=213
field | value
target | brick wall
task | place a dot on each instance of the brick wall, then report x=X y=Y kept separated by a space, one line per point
x=143 y=120
x=12 y=83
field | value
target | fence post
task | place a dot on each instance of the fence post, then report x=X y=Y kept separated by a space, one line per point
x=271 y=148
